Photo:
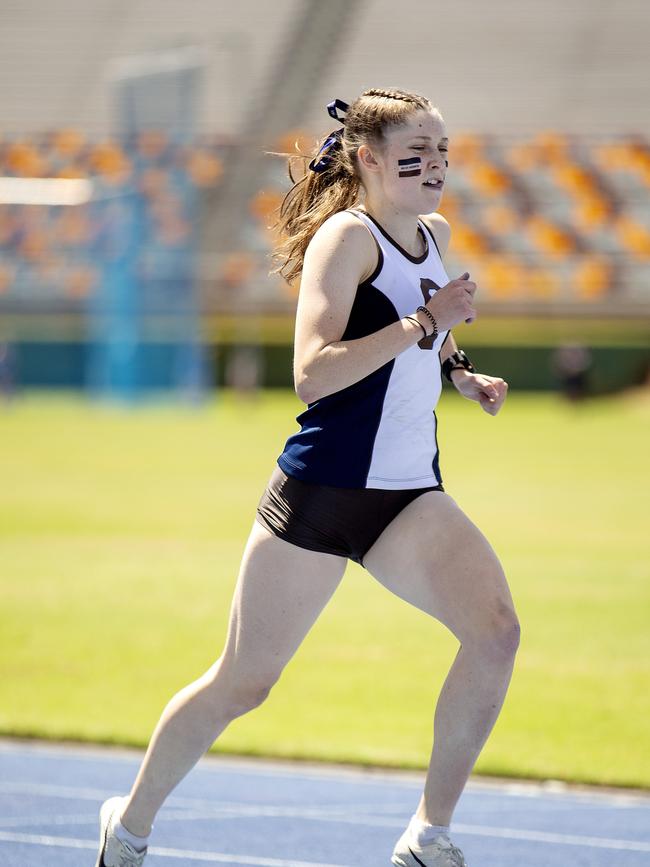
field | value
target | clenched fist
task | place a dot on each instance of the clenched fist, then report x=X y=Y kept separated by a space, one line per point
x=489 y=391
x=454 y=303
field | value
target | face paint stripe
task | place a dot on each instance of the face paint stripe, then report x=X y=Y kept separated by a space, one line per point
x=409 y=167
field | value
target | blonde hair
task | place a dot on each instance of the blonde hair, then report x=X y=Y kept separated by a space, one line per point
x=315 y=196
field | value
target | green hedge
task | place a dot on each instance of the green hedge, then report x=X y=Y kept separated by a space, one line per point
x=62 y=365
x=523 y=367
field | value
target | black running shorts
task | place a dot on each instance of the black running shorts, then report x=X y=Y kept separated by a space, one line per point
x=343 y=521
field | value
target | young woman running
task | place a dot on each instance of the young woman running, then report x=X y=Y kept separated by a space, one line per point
x=361 y=479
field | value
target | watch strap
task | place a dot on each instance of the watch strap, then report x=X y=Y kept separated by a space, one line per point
x=456 y=361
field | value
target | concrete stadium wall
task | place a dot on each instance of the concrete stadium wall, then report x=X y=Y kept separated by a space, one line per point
x=507 y=65
x=54 y=57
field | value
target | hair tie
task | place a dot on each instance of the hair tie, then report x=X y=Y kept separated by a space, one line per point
x=332 y=106
x=323 y=158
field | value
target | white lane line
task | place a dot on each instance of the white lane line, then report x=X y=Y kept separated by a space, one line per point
x=531 y=836
x=48 y=790
x=161 y=852
x=197 y=806
x=387 y=822
x=51 y=791
x=547 y=837
x=609 y=800
x=228 y=811
x=314 y=771
x=48 y=821
x=456 y=827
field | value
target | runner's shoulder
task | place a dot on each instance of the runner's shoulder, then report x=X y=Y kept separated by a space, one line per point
x=343 y=234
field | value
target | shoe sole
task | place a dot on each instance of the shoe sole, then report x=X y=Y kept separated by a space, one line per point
x=399 y=862
x=104 y=821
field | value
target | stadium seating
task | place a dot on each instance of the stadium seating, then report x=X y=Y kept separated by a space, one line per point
x=541 y=218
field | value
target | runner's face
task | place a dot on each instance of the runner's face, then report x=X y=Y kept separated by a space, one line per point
x=415 y=153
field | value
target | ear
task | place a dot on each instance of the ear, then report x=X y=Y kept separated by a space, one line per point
x=367 y=158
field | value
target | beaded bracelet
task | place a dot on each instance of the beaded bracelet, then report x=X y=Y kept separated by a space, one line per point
x=428 y=313
x=417 y=322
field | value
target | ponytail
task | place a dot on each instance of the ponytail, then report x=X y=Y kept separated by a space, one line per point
x=311 y=201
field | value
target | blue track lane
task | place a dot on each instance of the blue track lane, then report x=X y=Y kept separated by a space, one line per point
x=279 y=815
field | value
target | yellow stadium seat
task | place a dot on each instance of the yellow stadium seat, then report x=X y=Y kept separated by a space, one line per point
x=593 y=277
x=523 y=156
x=22 y=158
x=632 y=157
x=109 y=160
x=489 y=179
x=203 y=167
x=296 y=141
x=613 y=154
x=542 y=283
x=549 y=238
x=68 y=143
x=640 y=158
x=467 y=240
x=265 y=204
x=467 y=149
x=501 y=276
x=500 y=218
x=35 y=244
x=590 y=212
x=574 y=179
x=552 y=146
x=72 y=170
x=633 y=236
x=450 y=207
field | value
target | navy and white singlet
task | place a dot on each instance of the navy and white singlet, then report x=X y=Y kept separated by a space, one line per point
x=380 y=432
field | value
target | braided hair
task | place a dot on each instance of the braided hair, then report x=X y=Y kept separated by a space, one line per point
x=336 y=186
x=388 y=93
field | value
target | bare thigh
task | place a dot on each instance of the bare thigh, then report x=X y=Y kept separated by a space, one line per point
x=281 y=590
x=433 y=556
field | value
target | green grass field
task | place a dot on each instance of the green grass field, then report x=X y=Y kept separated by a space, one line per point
x=120 y=538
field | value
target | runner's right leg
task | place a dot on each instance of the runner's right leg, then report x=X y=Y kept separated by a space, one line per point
x=280 y=592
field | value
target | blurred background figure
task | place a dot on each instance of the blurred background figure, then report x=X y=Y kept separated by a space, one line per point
x=244 y=371
x=7 y=371
x=571 y=365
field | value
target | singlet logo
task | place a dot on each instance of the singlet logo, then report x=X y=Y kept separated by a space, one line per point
x=427 y=287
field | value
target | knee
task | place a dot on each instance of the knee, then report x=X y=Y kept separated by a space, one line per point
x=507 y=636
x=236 y=695
x=500 y=637
x=248 y=697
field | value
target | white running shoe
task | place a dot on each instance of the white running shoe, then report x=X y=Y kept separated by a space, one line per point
x=440 y=853
x=112 y=851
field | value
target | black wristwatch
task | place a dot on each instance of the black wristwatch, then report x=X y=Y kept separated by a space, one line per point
x=456 y=361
